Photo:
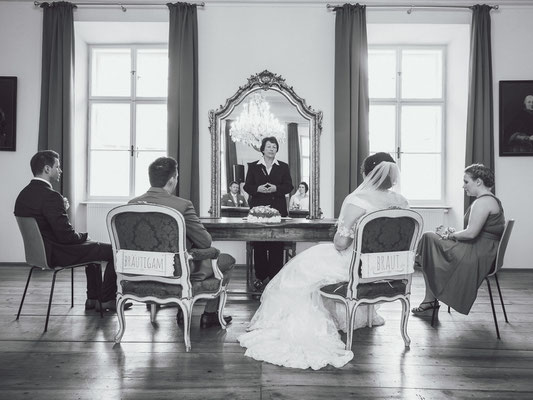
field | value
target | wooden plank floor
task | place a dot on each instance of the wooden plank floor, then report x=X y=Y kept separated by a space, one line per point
x=460 y=358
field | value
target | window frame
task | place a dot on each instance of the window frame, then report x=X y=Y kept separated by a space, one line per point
x=133 y=100
x=398 y=102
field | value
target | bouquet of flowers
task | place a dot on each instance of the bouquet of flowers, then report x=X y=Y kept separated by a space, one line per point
x=444 y=232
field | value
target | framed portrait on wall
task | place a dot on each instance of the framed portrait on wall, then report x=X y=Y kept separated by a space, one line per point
x=8 y=112
x=516 y=118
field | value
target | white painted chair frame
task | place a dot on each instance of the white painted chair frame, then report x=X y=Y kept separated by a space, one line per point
x=351 y=301
x=187 y=300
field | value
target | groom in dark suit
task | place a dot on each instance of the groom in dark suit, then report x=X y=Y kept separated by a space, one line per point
x=163 y=174
x=63 y=245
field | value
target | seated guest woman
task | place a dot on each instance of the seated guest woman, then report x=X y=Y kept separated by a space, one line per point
x=300 y=199
x=455 y=263
x=234 y=198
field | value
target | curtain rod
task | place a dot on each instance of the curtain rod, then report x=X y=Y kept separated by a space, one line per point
x=123 y=6
x=409 y=7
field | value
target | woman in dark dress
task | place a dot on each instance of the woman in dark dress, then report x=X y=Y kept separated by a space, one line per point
x=267 y=182
x=455 y=263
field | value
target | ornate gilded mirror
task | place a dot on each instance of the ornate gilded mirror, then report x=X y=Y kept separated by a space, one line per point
x=236 y=132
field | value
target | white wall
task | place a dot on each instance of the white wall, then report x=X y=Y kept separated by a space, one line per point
x=238 y=40
x=20 y=56
x=512 y=59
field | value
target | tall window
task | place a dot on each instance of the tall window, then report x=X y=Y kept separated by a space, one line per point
x=407 y=99
x=127 y=118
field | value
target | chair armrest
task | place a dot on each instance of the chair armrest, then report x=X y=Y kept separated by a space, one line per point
x=210 y=253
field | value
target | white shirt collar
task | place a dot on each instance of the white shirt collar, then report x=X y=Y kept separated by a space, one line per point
x=43 y=180
x=262 y=161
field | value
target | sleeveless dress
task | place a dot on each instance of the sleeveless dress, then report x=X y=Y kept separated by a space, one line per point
x=456 y=269
x=293 y=327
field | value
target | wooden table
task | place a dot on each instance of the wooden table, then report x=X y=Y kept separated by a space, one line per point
x=289 y=230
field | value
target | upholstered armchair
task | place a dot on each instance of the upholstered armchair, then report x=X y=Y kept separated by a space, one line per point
x=381 y=267
x=153 y=264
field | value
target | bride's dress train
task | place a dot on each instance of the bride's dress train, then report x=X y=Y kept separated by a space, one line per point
x=293 y=326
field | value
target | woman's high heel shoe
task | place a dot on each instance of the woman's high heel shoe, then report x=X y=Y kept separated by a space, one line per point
x=421 y=309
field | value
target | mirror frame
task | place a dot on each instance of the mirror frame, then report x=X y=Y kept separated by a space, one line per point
x=266 y=80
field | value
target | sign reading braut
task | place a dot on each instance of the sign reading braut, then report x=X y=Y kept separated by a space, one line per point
x=390 y=263
x=145 y=263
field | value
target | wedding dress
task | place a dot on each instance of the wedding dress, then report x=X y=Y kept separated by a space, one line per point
x=294 y=326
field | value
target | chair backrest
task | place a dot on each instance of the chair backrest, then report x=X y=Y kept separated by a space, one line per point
x=33 y=242
x=151 y=228
x=390 y=230
x=502 y=246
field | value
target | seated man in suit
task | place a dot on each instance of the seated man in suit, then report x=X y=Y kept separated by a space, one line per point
x=63 y=245
x=234 y=198
x=163 y=174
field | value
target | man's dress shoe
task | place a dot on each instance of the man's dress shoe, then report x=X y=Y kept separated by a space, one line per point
x=90 y=304
x=211 y=319
x=111 y=305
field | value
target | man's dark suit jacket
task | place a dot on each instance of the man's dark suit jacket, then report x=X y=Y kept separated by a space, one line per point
x=279 y=175
x=40 y=201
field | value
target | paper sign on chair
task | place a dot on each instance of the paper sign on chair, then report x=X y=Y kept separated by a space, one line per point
x=145 y=262
x=376 y=265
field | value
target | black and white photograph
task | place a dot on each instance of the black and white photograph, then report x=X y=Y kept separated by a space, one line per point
x=8 y=113
x=266 y=200
x=516 y=118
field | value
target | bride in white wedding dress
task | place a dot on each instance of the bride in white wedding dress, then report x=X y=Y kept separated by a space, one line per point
x=294 y=326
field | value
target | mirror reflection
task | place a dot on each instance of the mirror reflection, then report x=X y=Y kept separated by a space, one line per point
x=264 y=113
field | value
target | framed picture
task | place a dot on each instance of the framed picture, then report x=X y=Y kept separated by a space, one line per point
x=8 y=113
x=516 y=118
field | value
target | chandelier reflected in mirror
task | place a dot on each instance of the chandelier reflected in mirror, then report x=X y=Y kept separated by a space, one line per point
x=256 y=122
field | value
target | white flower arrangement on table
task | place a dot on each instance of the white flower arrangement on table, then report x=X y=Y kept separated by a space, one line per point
x=264 y=214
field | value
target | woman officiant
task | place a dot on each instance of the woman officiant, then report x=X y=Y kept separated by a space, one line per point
x=267 y=182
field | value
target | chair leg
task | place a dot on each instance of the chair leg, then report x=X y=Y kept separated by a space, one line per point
x=121 y=317
x=351 y=308
x=50 y=299
x=186 y=307
x=71 y=287
x=370 y=315
x=25 y=290
x=405 y=318
x=221 y=303
x=434 y=314
x=101 y=272
x=153 y=311
x=501 y=297
x=493 y=309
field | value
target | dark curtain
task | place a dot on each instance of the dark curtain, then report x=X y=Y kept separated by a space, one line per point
x=294 y=155
x=57 y=88
x=479 y=125
x=231 y=153
x=183 y=98
x=351 y=99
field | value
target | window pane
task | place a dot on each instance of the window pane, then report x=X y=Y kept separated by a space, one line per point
x=152 y=72
x=421 y=74
x=382 y=128
x=151 y=127
x=110 y=126
x=421 y=176
x=421 y=128
x=305 y=145
x=382 y=73
x=142 y=161
x=109 y=173
x=111 y=72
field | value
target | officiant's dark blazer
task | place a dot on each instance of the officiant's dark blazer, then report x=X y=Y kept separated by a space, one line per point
x=279 y=175
x=40 y=201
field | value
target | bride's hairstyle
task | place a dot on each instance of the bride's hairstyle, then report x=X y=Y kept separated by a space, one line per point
x=372 y=162
x=479 y=171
